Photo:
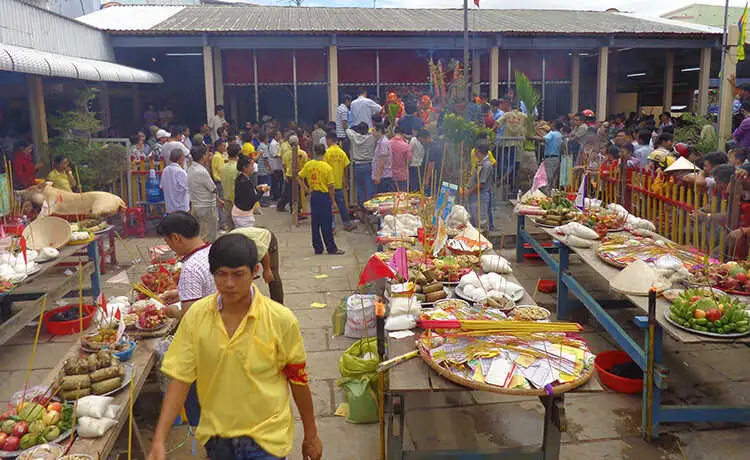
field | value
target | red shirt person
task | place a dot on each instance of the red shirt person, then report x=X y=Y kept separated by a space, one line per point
x=24 y=169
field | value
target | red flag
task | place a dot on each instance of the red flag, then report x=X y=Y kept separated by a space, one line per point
x=22 y=244
x=374 y=270
x=476 y=2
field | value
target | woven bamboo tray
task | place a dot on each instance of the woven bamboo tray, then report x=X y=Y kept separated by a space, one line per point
x=557 y=389
x=171 y=325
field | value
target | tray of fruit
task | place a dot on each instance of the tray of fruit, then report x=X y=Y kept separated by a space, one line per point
x=710 y=315
x=31 y=424
x=602 y=220
x=160 y=278
x=151 y=319
x=559 y=210
x=731 y=277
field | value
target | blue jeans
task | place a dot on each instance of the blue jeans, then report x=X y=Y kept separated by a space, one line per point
x=243 y=448
x=415 y=176
x=321 y=219
x=363 y=178
x=385 y=185
x=341 y=203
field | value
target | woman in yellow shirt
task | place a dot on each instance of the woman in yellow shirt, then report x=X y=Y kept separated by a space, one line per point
x=61 y=176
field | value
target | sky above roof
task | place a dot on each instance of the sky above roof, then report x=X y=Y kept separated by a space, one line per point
x=646 y=7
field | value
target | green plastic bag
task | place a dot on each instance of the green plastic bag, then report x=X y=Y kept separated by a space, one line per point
x=362 y=400
x=360 y=360
x=339 y=318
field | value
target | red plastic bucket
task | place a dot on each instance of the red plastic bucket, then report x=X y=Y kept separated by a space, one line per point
x=605 y=361
x=68 y=327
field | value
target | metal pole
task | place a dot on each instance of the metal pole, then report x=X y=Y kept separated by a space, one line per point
x=509 y=76
x=724 y=45
x=255 y=86
x=466 y=51
x=294 y=85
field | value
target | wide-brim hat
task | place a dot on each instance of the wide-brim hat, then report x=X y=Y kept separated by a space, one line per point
x=682 y=164
x=48 y=231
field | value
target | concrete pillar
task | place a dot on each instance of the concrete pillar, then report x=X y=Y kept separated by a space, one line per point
x=575 y=82
x=704 y=81
x=668 y=81
x=601 y=89
x=333 y=81
x=38 y=115
x=218 y=76
x=494 y=72
x=725 y=88
x=208 y=78
x=476 y=80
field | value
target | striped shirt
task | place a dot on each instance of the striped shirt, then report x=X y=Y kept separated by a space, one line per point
x=342 y=115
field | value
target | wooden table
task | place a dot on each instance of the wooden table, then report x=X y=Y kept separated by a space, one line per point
x=654 y=412
x=414 y=376
x=39 y=288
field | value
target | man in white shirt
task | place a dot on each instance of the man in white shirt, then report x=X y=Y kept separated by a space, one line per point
x=174 y=142
x=216 y=122
x=363 y=108
x=342 y=121
x=174 y=184
x=277 y=169
x=417 y=158
x=203 y=194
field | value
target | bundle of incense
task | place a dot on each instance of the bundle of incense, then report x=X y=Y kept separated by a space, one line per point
x=500 y=326
x=385 y=365
x=147 y=292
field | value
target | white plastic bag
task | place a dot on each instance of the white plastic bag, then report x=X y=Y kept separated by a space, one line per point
x=360 y=316
x=577 y=229
x=399 y=323
x=112 y=411
x=404 y=306
x=89 y=427
x=576 y=242
x=93 y=406
x=470 y=279
x=495 y=263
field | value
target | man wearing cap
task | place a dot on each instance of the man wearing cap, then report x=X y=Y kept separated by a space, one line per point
x=162 y=137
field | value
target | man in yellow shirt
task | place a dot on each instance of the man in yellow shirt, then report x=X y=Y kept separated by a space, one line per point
x=228 y=177
x=217 y=162
x=61 y=176
x=339 y=161
x=245 y=352
x=287 y=149
x=320 y=187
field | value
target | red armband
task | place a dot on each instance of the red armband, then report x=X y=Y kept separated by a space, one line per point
x=296 y=373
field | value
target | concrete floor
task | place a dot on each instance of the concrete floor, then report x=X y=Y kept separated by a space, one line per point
x=601 y=426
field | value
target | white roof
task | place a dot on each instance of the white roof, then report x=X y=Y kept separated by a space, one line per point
x=672 y=22
x=129 y=17
x=35 y=62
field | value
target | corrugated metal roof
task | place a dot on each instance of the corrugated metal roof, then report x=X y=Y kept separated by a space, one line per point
x=275 y=19
x=135 y=17
x=35 y=62
x=25 y=25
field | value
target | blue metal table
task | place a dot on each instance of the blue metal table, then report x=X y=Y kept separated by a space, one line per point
x=567 y=284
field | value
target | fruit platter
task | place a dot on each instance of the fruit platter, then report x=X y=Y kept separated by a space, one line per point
x=30 y=424
x=161 y=278
x=151 y=318
x=710 y=315
x=559 y=210
x=602 y=221
x=731 y=277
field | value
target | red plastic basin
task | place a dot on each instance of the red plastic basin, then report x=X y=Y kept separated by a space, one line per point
x=68 y=327
x=605 y=361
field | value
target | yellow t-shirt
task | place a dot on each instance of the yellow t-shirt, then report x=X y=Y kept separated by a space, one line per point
x=217 y=162
x=248 y=149
x=338 y=160
x=228 y=176
x=319 y=175
x=286 y=160
x=242 y=388
x=59 y=180
x=260 y=236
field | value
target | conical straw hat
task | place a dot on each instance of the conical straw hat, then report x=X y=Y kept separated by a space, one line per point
x=682 y=164
x=48 y=231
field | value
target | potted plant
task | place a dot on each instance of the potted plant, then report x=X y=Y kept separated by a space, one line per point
x=530 y=98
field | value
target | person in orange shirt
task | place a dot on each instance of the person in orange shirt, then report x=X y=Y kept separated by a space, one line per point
x=336 y=157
